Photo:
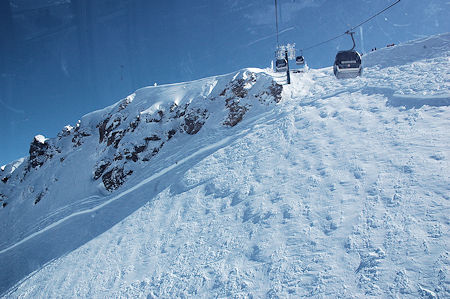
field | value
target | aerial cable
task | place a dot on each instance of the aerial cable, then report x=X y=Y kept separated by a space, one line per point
x=375 y=15
x=324 y=42
x=276 y=20
x=349 y=31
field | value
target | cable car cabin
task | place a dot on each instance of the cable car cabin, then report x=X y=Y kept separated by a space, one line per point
x=347 y=64
x=299 y=60
x=281 y=65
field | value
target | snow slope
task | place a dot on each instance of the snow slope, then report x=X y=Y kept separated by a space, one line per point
x=341 y=189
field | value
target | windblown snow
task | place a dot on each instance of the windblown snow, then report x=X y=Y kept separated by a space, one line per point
x=238 y=186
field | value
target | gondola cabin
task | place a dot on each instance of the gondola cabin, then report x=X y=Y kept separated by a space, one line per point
x=281 y=65
x=347 y=64
x=299 y=60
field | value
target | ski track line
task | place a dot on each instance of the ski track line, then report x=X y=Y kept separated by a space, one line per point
x=135 y=187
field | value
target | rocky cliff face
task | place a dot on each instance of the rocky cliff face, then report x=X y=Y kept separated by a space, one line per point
x=134 y=131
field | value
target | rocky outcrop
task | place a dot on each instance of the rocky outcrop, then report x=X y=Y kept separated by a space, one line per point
x=40 y=196
x=164 y=123
x=66 y=131
x=194 y=121
x=275 y=91
x=131 y=134
x=238 y=100
x=79 y=135
x=114 y=178
x=40 y=151
x=115 y=129
x=100 y=169
x=236 y=112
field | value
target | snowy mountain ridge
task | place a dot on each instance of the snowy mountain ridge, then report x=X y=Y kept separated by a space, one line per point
x=102 y=151
x=237 y=186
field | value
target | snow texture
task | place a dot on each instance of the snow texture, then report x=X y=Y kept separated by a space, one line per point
x=322 y=188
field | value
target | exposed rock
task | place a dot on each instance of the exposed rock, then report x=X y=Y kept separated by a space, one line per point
x=177 y=112
x=156 y=119
x=114 y=178
x=115 y=138
x=40 y=196
x=236 y=112
x=271 y=95
x=171 y=133
x=173 y=107
x=238 y=101
x=194 y=121
x=239 y=89
x=102 y=129
x=155 y=151
x=78 y=136
x=108 y=130
x=125 y=102
x=275 y=91
x=134 y=154
x=134 y=124
x=152 y=138
x=66 y=131
x=100 y=169
x=106 y=127
x=139 y=148
x=39 y=151
x=180 y=113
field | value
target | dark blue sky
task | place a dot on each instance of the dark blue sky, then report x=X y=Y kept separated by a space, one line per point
x=62 y=59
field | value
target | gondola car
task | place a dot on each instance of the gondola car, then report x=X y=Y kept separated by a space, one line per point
x=347 y=64
x=300 y=60
x=281 y=65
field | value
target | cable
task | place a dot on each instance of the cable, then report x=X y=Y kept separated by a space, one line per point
x=321 y=43
x=276 y=18
x=351 y=29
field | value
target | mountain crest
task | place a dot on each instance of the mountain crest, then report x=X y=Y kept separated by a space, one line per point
x=135 y=129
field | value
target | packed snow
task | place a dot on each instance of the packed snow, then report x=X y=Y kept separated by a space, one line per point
x=340 y=190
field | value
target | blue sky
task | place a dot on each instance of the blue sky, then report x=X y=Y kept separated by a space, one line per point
x=65 y=58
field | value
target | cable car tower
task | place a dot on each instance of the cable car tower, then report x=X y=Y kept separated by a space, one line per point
x=283 y=52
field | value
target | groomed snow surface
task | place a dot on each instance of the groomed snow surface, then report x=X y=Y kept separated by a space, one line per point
x=339 y=191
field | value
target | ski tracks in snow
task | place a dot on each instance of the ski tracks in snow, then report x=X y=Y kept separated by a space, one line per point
x=94 y=203
x=113 y=198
